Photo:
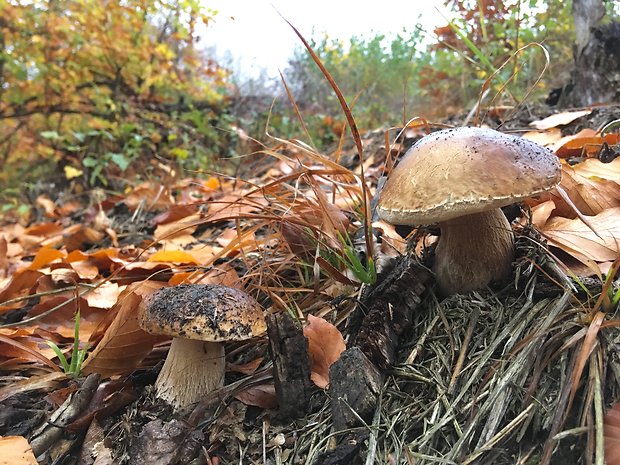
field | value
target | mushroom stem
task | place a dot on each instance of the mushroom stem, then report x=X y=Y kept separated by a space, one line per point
x=473 y=250
x=191 y=370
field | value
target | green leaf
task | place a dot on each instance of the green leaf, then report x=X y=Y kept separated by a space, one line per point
x=90 y=162
x=60 y=355
x=180 y=153
x=119 y=160
x=50 y=135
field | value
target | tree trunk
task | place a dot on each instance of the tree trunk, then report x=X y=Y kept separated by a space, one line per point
x=596 y=74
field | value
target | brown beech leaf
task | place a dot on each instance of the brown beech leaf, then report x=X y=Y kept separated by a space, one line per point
x=575 y=238
x=325 y=344
x=246 y=368
x=594 y=168
x=15 y=450
x=541 y=213
x=544 y=138
x=559 y=119
x=263 y=396
x=124 y=344
x=558 y=144
x=586 y=143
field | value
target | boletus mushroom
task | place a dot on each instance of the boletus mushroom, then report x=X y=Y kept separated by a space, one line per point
x=200 y=318
x=459 y=178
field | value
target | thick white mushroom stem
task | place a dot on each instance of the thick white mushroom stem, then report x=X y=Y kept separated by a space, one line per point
x=473 y=251
x=191 y=370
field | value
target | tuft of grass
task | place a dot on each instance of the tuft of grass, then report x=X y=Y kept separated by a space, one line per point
x=73 y=367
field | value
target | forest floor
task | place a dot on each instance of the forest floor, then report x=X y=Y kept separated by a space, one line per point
x=515 y=374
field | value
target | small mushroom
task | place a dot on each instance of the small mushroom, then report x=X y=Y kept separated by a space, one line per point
x=459 y=178
x=200 y=318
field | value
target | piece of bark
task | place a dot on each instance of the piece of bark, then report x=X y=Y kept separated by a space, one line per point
x=388 y=309
x=354 y=384
x=383 y=314
x=77 y=403
x=291 y=363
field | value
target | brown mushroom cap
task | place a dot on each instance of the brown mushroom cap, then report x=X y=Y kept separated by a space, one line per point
x=457 y=172
x=203 y=312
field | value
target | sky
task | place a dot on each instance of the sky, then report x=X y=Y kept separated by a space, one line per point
x=251 y=37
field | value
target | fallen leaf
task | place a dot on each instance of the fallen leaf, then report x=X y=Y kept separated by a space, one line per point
x=596 y=169
x=611 y=431
x=124 y=344
x=103 y=296
x=28 y=352
x=591 y=195
x=263 y=396
x=587 y=132
x=45 y=382
x=174 y=213
x=173 y=256
x=541 y=213
x=246 y=368
x=45 y=256
x=575 y=238
x=47 y=205
x=325 y=344
x=15 y=450
x=544 y=138
x=175 y=229
x=559 y=119
x=585 y=143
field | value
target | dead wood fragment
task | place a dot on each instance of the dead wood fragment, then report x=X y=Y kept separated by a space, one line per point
x=289 y=351
x=354 y=385
x=389 y=307
x=51 y=432
x=385 y=312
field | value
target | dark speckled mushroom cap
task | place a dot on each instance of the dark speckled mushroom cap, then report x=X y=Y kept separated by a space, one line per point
x=463 y=171
x=204 y=312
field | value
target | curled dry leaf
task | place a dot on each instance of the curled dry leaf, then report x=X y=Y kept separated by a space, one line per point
x=575 y=238
x=541 y=213
x=124 y=344
x=325 y=344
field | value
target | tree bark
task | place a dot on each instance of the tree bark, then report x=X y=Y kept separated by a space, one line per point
x=596 y=74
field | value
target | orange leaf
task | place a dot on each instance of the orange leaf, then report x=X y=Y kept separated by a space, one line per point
x=44 y=257
x=176 y=256
x=325 y=344
x=587 y=132
x=124 y=344
x=15 y=450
